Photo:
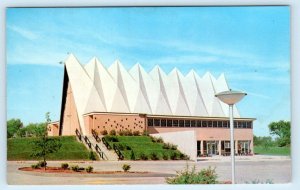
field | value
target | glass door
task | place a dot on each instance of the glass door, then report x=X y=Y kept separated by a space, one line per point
x=211 y=147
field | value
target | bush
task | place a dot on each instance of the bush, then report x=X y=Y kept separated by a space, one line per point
x=64 y=166
x=143 y=156
x=75 y=168
x=136 y=133
x=126 y=167
x=112 y=132
x=121 y=133
x=42 y=164
x=34 y=166
x=104 y=132
x=165 y=157
x=92 y=156
x=132 y=155
x=173 y=147
x=81 y=168
x=89 y=169
x=158 y=140
x=145 y=133
x=174 y=156
x=205 y=176
x=184 y=156
x=154 y=156
x=166 y=146
x=111 y=139
x=123 y=146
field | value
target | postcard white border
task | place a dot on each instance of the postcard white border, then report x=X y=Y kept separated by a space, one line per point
x=295 y=87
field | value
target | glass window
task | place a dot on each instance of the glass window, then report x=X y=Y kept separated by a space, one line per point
x=150 y=122
x=199 y=123
x=175 y=123
x=187 y=123
x=209 y=123
x=156 y=122
x=215 y=124
x=181 y=123
x=249 y=124
x=225 y=124
x=204 y=123
x=163 y=123
x=220 y=124
x=193 y=123
x=235 y=124
x=169 y=123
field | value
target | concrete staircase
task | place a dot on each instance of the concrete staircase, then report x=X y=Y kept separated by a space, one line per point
x=102 y=152
x=108 y=154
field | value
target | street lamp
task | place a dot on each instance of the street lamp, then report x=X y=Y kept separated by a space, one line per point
x=231 y=97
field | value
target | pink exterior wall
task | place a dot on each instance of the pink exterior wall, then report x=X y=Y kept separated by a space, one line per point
x=117 y=122
x=70 y=119
x=53 y=129
x=209 y=134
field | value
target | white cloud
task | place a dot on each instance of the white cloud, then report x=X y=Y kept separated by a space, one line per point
x=23 y=32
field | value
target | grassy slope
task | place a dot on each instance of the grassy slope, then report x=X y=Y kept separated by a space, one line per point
x=284 y=151
x=142 y=144
x=21 y=149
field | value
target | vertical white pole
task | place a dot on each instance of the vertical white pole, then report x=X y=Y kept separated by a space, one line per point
x=232 y=144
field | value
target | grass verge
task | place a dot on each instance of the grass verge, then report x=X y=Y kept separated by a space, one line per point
x=71 y=149
x=280 y=151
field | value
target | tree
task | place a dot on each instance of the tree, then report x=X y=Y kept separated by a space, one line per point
x=282 y=129
x=13 y=125
x=44 y=145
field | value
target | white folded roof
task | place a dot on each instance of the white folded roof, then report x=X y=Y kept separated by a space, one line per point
x=97 y=89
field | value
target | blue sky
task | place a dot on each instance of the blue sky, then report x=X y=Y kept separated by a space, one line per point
x=251 y=45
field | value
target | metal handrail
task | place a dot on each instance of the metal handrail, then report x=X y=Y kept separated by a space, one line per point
x=106 y=143
x=95 y=135
x=78 y=134
x=99 y=151
x=88 y=142
x=119 y=153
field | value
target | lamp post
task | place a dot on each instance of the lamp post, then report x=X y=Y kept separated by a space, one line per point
x=231 y=97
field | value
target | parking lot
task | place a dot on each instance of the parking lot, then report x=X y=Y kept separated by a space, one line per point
x=248 y=169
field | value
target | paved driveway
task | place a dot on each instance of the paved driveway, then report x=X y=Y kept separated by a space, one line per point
x=277 y=169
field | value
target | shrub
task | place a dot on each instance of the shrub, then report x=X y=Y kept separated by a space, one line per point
x=205 y=176
x=112 y=132
x=92 y=156
x=123 y=146
x=126 y=167
x=143 y=156
x=165 y=157
x=136 y=133
x=104 y=132
x=160 y=140
x=132 y=155
x=154 y=156
x=75 y=168
x=173 y=147
x=81 y=168
x=42 y=164
x=184 y=156
x=145 y=133
x=129 y=133
x=121 y=133
x=166 y=146
x=111 y=139
x=64 y=166
x=174 y=156
x=34 y=166
x=89 y=169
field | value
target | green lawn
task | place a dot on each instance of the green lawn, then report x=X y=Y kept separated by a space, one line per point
x=283 y=151
x=143 y=145
x=71 y=149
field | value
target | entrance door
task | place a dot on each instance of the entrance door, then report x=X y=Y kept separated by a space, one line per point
x=211 y=147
